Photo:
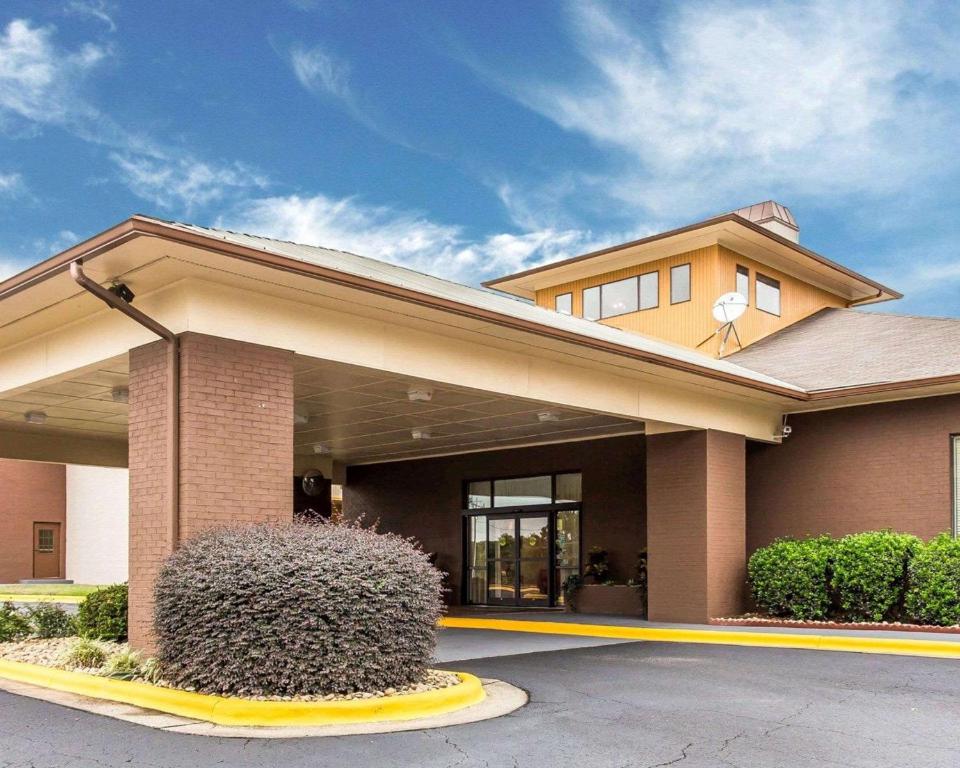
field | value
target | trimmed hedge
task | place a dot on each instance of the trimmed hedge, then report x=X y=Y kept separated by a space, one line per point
x=869 y=573
x=296 y=609
x=103 y=614
x=933 y=596
x=874 y=576
x=790 y=578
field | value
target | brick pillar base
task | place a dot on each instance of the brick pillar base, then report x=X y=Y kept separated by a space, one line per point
x=696 y=525
x=236 y=450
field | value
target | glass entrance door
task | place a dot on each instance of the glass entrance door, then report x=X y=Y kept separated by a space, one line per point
x=521 y=556
x=518 y=560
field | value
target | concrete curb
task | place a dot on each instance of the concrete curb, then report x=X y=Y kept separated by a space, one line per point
x=811 y=642
x=19 y=598
x=242 y=712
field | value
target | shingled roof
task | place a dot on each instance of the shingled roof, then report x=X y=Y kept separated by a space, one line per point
x=837 y=348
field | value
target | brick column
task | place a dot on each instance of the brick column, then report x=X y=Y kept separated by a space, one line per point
x=236 y=450
x=696 y=525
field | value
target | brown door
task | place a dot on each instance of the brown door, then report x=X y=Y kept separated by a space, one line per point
x=46 y=551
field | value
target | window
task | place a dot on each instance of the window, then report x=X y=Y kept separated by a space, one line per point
x=649 y=290
x=768 y=294
x=522 y=491
x=618 y=298
x=564 y=303
x=479 y=495
x=955 y=466
x=45 y=540
x=743 y=282
x=680 y=284
x=591 y=303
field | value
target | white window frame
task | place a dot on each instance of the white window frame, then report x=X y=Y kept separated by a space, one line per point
x=743 y=272
x=556 y=303
x=673 y=271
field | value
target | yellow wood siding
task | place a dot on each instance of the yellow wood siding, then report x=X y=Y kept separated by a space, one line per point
x=712 y=272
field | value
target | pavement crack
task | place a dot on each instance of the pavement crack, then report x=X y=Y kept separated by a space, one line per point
x=683 y=756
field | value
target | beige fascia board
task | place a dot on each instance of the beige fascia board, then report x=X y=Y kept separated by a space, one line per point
x=97 y=334
x=62 y=447
x=391 y=347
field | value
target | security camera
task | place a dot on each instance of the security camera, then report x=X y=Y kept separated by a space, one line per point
x=786 y=431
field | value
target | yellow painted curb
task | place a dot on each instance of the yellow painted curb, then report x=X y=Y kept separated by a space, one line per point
x=243 y=712
x=19 y=598
x=944 y=649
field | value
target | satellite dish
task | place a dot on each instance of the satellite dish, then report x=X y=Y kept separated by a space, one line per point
x=729 y=307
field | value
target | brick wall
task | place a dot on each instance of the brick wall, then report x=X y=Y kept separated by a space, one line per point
x=855 y=469
x=236 y=449
x=695 y=524
x=30 y=492
x=424 y=498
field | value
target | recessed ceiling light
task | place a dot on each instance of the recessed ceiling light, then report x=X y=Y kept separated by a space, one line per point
x=320 y=449
x=545 y=416
x=420 y=394
x=35 y=417
x=120 y=394
x=419 y=434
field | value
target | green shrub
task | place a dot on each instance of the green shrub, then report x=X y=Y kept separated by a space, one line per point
x=870 y=573
x=124 y=665
x=790 y=577
x=85 y=653
x=103 y=614
x=296 y=609
x=933 y=596
x=14 y=625
x=50 y=620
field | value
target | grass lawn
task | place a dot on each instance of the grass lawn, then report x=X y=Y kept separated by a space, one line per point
x=75 y=590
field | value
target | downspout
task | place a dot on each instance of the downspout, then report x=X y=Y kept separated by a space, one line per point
x=173 y=389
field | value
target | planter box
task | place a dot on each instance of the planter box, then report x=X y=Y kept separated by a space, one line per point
x=607 y=600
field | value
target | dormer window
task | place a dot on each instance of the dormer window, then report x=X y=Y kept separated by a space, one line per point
x=743 y=282
x=591 y=303
x=768 y=294
x=680 y=284
x=564 y=303
x=619 y=298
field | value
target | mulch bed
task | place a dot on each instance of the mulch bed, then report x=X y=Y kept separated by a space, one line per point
x=896 y=626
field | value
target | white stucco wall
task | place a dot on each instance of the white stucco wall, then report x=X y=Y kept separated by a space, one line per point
x=97 y=520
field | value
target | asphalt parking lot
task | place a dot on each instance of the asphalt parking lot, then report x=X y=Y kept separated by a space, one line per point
x=592 y=704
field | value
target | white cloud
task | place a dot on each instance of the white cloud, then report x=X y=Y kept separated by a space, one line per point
x=736 y=101
x=403 y=237
x=320 y=72
x=39 y=82
x=184 y=181
x=11 y=185
x=8 y=268
x=97 y=9
x=41 y=85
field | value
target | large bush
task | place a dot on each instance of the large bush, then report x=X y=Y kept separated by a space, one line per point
x=789 y=577
x=934 y=577
x=50 y=620
x=869 y=573
x=14 y=625
x=298 y=609
x=103 y=614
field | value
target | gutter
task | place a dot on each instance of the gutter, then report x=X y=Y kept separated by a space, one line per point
x=173 y=389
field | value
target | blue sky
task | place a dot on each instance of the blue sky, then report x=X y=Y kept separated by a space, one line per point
x=472 y=139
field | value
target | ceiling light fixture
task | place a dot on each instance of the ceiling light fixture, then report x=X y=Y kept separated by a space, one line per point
x=545 y=416
x=35 y=417
x=300 y=415
x=420 y=394
x=419 y=434
x=320 y=449
x=120 y=394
